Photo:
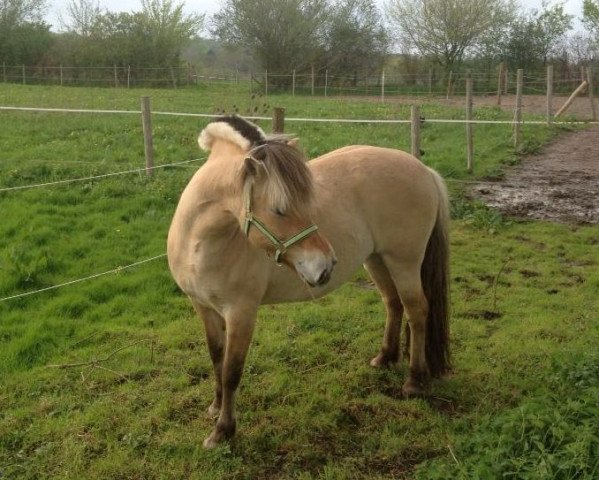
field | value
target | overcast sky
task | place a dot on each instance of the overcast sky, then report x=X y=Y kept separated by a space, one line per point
x=209 y=7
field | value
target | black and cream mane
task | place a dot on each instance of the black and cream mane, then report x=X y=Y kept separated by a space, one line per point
x=289 y=181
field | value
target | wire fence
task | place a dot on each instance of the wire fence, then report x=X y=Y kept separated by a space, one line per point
x=321 y=81
x=202 y=115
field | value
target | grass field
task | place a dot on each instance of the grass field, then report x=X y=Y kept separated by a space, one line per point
x=521 y=402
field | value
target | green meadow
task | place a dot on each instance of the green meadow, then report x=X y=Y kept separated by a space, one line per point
x=110 y=378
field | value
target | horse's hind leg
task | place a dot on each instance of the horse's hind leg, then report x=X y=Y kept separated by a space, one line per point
x=406 y=276
x=379 y=273
x=214 y=325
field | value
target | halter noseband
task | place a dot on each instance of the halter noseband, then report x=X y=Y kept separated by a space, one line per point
x=281 y=245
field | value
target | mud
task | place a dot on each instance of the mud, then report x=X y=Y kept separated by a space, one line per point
x=560 y=184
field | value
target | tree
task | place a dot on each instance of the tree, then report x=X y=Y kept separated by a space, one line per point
x=284 y=34
x=82 y=15
x=166 y=28
x=445 y=29
x=590 y=15
x=24 y=37
x=356 y=39
x=532 y=39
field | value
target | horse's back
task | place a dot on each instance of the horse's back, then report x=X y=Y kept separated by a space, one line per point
x=389 y=191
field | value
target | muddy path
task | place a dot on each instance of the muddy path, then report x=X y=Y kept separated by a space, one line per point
x=560 y=184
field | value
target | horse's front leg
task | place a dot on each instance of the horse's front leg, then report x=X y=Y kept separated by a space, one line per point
x=239 y=329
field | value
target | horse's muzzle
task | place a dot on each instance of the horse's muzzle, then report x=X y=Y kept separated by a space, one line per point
x=317 y=274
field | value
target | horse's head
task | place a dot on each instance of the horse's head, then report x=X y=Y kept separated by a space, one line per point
x=278 y=207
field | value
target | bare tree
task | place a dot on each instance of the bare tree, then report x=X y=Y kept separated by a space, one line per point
x=446 y=29
x=81 y=16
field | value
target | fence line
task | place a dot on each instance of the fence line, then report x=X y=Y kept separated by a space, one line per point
x=95 y=177
x=293 y=119
x=79 y=280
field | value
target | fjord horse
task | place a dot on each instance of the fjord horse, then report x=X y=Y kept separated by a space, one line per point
x=255 y=204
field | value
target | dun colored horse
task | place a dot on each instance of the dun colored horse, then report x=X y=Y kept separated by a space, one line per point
x=255 y=204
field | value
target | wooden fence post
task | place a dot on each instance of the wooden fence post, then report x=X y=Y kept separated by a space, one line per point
x=23 y=69
x=505 y=79
x=469 y=141
x=278 y=120
x=518 y=112
x=326 y=81
x=499 y=83
x=415 y=118
x=449 y=85
x=174 y=80
x=312 y=79
x=61 y=74
x=4 y=72
x=116 y=78
x=128 y=76
x=293 y=84
x=430 y=81
x=146 y=118
x=549 y=94
x=383 y=87
x=590 y=89
x=266 y=83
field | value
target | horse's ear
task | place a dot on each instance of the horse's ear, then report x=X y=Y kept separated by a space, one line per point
x=293 y=142
x=252 y=167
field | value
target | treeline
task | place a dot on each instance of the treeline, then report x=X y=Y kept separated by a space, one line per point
x=154 y=36
x=352 y=38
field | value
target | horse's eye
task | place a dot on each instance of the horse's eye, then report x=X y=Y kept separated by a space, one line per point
x=278 y=212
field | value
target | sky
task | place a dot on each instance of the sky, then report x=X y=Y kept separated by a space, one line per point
x=209 y=7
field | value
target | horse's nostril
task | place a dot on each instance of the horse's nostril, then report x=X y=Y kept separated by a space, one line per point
x=325 y=276
x=334 y=261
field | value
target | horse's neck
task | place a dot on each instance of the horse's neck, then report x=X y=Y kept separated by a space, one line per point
x=219 y=177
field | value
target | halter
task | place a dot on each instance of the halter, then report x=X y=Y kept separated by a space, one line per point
x=281 y=245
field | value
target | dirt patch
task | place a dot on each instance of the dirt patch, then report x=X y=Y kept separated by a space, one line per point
x=560 y=184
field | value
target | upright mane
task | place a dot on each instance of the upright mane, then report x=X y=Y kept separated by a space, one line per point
x=289 y=181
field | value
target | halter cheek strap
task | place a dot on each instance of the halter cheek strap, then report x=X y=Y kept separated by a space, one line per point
x=281 y=245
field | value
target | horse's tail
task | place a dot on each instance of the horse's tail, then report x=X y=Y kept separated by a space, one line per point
x=435 y=281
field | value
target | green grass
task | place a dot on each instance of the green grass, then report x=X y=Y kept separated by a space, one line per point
x=521 y=402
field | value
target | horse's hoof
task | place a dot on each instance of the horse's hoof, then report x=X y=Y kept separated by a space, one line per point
x=220 y=433
x=382 y=361
x=413 y=389
x=213 y=411
x=211 y=441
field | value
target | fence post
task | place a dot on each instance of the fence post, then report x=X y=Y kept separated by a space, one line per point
x=146 y=118
x=23 y=66
x=278 y=120
x=266 y=83
x=430 y=81
x=415 y=117
x=469 y=142
x=549 y=94
x=383 y=87
x=326 y=81
x=4 y=71
x=128 y=76
x=590 y=89
x=116 y=78
x=293 y=84
x=518 y=112
x=499 y=83
x=505 y=79
x=61 y=74
x=449 y=84
x=312 y=79
x=173 y=77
